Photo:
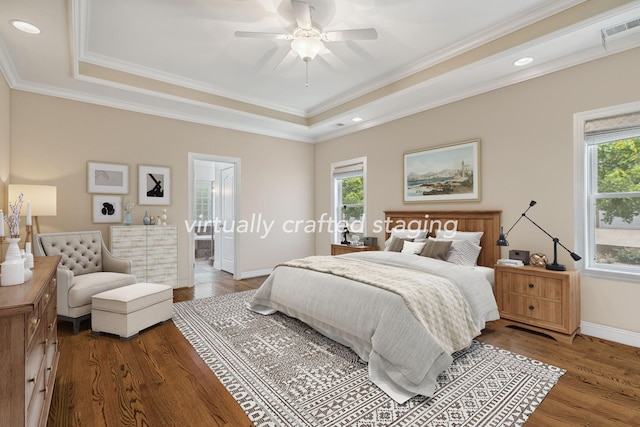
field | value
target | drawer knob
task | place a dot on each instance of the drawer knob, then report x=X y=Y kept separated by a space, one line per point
x=33 y=321
x=531 y=307
x=530 y=285
x=34 y=379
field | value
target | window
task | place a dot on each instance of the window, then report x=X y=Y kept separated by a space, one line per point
x=349 y=199
x=609 y=176
x=203 y=193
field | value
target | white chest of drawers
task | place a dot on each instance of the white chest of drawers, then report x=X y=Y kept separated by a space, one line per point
x=152 y=249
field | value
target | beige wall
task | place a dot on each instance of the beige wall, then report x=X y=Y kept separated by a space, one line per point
x=526 y=154
x=5 y=139
x=52 y=139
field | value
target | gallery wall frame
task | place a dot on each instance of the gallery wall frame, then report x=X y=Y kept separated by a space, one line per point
x=444 y=173
x=107 y=209
x=111 y=178
x=154 y=185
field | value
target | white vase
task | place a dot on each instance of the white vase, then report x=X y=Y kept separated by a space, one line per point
x=13 y=251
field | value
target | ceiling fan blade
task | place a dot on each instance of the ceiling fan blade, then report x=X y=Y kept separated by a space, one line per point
x=362 y=34
x=259 y=35
x=302 y=12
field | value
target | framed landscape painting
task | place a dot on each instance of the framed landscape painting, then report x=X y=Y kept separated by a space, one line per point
x=444 y=173
x=154 y=185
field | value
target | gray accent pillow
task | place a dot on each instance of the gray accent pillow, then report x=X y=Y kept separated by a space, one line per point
x=397 y=243
x=436 y=249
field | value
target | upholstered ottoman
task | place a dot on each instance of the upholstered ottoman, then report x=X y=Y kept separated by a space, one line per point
x=127 y=310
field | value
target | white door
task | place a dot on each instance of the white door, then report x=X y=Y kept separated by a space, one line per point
x=227 y=217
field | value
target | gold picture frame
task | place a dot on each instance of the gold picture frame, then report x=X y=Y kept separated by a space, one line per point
x=447 y=173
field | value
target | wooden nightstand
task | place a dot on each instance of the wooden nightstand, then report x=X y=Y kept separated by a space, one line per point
x=540 y=300
x=337 y=249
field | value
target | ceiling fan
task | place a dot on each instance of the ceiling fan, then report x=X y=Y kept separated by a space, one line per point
x=308 y=38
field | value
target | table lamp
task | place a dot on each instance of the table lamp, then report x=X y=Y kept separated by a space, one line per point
x=502 y=241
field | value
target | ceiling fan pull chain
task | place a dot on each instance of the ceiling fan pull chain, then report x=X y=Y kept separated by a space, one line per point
x=307 y=72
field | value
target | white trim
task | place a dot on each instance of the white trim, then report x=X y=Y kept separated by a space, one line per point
x=237 y=274
x=255 y=273
x=334 y=207
x=582 y=243
x=621 y=336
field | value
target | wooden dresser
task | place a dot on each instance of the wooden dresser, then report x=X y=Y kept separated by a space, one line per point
x=337 y=249
x=542 y=300
x=152 y=249
x=29 y=351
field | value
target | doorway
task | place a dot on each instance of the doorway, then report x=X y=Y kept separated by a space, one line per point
x=212 y=200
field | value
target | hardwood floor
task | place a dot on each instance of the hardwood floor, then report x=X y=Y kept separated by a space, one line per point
x=157 y=379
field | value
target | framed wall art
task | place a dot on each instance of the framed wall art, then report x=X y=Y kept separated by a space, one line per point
x=107 y=178
x=107 y=209
x=445 y=173
x=154 y=185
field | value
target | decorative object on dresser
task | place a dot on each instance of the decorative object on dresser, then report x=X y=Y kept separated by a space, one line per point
x=153 y=251
x=42 y=200
x=86 y=268
x=520 y=255
x=29 y=351
x=502 y=241
x=339 y=249
x=538 y=260
x=545 y=301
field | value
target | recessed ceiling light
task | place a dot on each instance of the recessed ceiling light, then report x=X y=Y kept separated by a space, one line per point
x=523 y=61
x=25 y=26
x=356 y=119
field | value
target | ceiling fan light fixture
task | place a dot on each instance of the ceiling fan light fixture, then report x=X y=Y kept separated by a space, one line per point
x=307 y=47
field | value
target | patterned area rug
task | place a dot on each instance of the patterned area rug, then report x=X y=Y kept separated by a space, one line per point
x=283 y=373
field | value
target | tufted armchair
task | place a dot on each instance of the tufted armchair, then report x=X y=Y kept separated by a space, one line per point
x=86 y=269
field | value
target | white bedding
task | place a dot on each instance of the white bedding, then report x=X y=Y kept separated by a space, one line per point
x=404 y=359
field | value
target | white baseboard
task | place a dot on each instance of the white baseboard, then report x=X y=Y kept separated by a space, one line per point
x=621 y=336
x=255 y=273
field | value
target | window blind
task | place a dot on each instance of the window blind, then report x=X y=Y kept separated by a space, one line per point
x=612 y=128
x=348 y=171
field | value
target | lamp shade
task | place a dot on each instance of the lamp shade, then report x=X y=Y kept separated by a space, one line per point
x=307 y=47
x=42 y=198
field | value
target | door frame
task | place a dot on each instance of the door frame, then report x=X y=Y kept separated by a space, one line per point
x=190 y=213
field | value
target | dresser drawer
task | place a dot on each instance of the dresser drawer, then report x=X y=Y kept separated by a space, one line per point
x=34 y=370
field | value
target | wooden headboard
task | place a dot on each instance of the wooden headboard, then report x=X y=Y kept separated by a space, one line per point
x=486 y=221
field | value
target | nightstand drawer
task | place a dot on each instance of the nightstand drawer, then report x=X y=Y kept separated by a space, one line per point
x=528 y=308
x=533 y=286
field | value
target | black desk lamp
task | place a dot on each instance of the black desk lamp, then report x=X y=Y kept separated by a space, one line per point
x=502 y=241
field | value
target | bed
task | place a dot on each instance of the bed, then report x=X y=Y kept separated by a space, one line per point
x=403 y=313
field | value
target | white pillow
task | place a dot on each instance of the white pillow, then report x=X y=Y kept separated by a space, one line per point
x=403 y=233
x=473 y=236
x=463 y=252
x=412 y=247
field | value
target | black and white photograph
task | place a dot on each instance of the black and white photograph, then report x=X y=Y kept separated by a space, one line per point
x=107 y=209
x=107 y=178
x=154 y=185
